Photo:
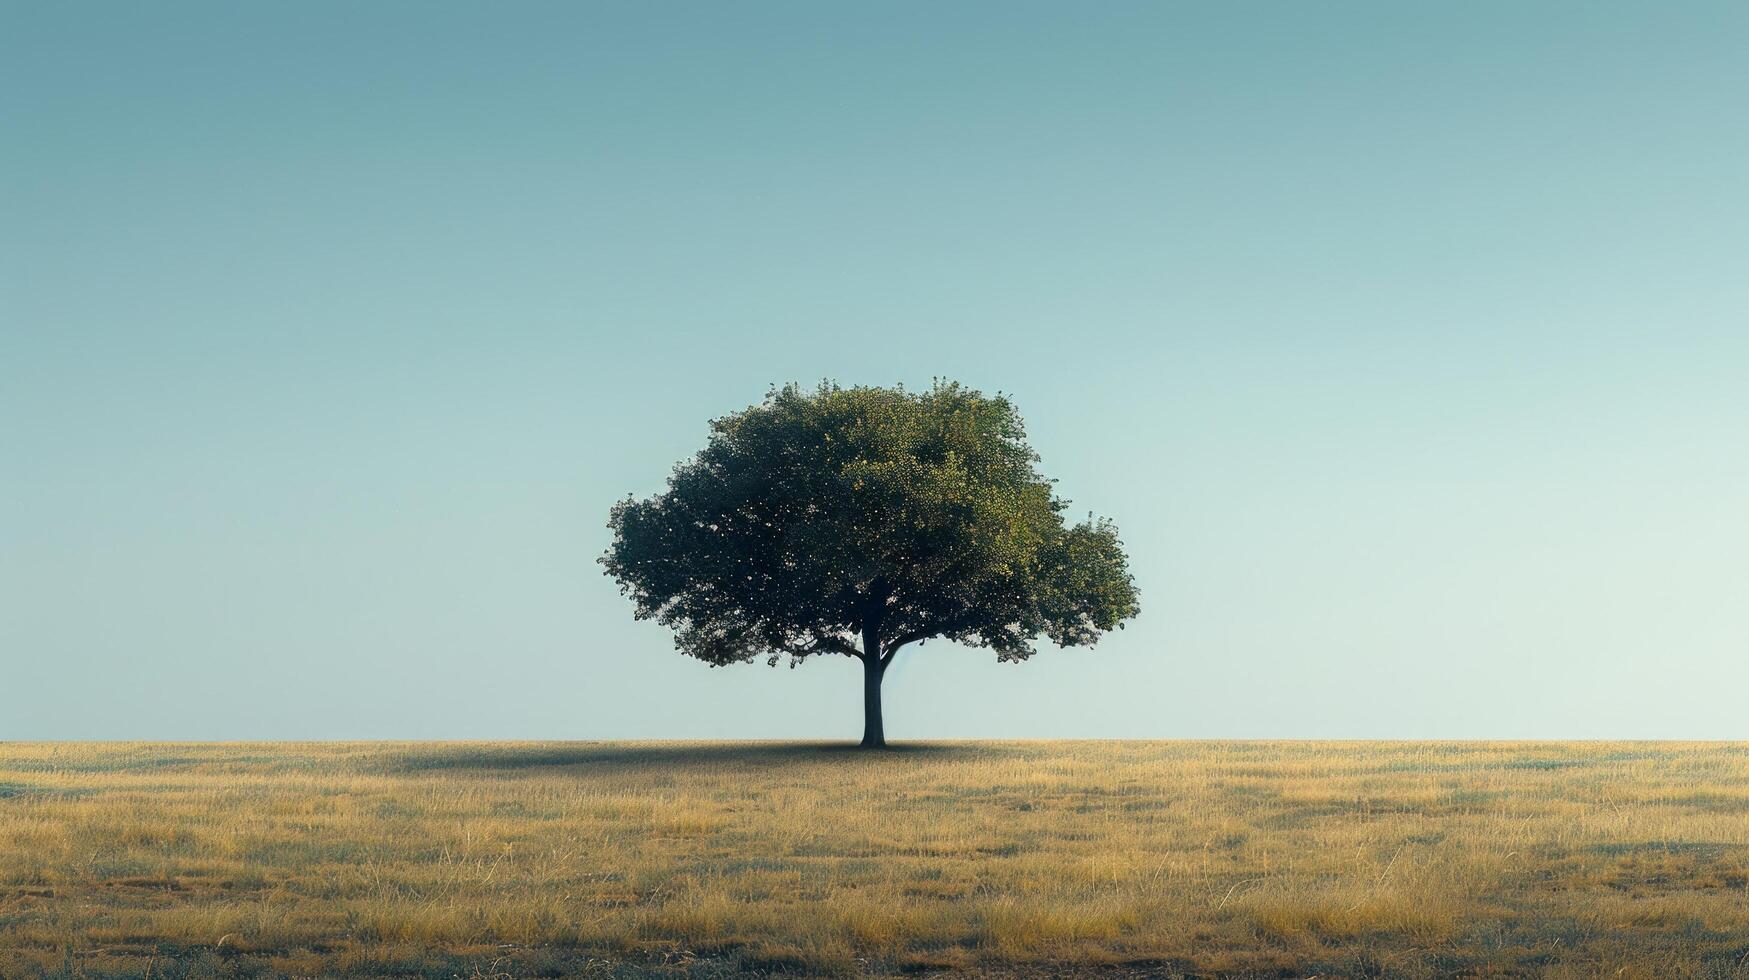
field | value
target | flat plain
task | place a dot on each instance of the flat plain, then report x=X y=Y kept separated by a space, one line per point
x=615 y=859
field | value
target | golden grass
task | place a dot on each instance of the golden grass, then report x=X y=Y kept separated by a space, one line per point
x=631 y=859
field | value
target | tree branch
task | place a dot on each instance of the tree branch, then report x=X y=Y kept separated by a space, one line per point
x=832 y=644
x=901 y=640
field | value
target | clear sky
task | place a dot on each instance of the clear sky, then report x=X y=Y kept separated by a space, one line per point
x=1408 y=345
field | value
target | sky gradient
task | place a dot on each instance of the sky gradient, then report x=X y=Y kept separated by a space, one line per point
x=1408 y=345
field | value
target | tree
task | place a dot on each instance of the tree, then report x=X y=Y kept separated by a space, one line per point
x=857 y=521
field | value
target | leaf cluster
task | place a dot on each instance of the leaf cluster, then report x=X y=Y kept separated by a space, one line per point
x=830 y=515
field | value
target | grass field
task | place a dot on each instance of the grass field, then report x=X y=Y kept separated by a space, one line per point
x=1270 y=859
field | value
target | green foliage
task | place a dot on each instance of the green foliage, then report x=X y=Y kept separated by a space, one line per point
x=822 y=517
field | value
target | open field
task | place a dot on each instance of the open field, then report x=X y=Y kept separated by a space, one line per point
x=502 y=860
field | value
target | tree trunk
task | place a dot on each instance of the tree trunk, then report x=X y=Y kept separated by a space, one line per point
x=873 y=735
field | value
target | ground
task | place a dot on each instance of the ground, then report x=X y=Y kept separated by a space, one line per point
x=1229 y=859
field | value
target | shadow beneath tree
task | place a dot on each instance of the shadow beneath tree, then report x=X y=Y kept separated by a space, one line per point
x=620 y=756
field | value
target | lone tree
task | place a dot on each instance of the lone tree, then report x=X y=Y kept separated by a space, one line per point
x=857 y=521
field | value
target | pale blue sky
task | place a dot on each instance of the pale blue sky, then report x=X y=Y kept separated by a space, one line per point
x=1408 y=344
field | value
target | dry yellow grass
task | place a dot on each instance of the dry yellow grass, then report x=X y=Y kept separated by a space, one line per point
x=1125 y=858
